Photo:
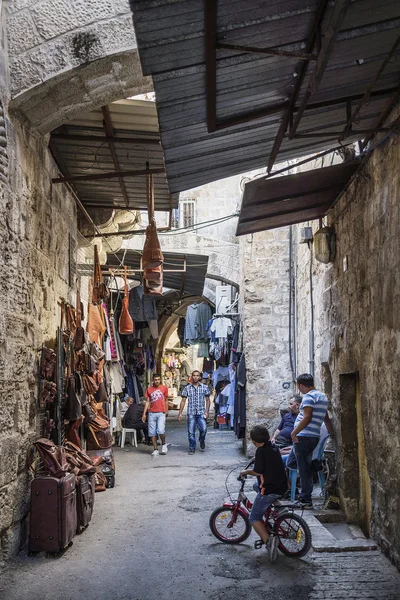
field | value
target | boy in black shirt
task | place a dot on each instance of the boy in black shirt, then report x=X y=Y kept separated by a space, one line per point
x=272 y=483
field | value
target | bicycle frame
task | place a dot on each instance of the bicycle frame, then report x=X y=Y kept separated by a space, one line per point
x=243 y=505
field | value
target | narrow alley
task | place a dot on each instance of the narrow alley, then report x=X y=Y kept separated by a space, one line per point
x=149 y=539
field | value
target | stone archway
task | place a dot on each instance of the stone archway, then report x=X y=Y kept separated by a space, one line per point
x=67 y=58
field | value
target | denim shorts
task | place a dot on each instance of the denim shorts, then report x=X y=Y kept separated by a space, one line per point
x=260 y=505
x=156 y=423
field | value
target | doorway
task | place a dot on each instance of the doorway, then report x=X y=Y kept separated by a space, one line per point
x=355 y=483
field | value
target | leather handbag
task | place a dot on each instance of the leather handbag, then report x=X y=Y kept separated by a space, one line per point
x=72 y=406
x=95 y=324
x=100 y=291
x=90 y=384
x=98 y=439
x=78 y=460
x=126 y=325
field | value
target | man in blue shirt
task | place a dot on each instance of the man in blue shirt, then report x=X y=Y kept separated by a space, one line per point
x=282 y=435
x=198 y=396
x=306 y=432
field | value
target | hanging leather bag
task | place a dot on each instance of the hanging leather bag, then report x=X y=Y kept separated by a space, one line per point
x=152 y=255
x=95 y=325
x=100 y=291
x=126 y=325
x=79 y=338
x=53 y=457
x=99 y=436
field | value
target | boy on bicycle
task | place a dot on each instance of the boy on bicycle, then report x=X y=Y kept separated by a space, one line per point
x=272 y=483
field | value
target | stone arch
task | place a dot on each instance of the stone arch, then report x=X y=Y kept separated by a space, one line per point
x=68 y=57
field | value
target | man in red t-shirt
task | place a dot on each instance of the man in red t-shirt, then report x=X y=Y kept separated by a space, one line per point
x=157 y=408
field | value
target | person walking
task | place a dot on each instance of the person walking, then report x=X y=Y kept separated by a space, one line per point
x=198 y=397
x=157 y=409
x=306 y=433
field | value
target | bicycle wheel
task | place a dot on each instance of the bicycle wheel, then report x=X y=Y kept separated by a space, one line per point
x=227 y=528
x=294 y=535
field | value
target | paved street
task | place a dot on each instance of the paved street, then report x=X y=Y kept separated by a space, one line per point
x=149 y=540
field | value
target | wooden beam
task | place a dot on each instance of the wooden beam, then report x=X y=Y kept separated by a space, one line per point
x=269 y=51
x=109 y=175
x=109 y=131
x=287 y=119
x=328 y=43
x=210 y=40
x=365 y=98
x=101 y=139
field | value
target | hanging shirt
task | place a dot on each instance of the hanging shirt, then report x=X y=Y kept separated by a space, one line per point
x=221 y=374
x=158 y=397
x=222 y=327
x=190 y=325
x=203 y=315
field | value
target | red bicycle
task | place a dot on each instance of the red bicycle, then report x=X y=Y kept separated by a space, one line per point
x=230 y=524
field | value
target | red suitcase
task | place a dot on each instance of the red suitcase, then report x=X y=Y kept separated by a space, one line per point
x=85 y=489
x=53 y=519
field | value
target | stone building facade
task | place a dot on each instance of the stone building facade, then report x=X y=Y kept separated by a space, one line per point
x=357 y=342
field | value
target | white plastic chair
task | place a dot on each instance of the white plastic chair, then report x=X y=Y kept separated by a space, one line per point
x=124 y=432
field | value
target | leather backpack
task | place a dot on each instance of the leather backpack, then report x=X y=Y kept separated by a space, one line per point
x=152 y=255
x=100 y=291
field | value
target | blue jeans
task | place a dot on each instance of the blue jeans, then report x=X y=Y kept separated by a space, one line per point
x=193 y=422
x=260 y=505
x=304 y=451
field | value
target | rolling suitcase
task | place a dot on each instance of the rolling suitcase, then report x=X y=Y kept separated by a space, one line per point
x=53 y=519
x=84 y=500
x=107 y=465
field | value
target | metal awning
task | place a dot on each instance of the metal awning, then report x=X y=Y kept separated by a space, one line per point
x=105 y=155
x=182 y=272
x=242 y=85
x=270 y=203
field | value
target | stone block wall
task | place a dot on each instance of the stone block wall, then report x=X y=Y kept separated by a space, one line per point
x=358 y=338
x=265 y=309
x=37 y=228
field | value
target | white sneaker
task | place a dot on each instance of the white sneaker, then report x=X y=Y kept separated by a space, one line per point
x=155 y=453
x=164 y=449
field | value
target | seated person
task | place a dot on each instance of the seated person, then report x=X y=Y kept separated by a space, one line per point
x=272 y=483
x=133 y=419
x=282 y=435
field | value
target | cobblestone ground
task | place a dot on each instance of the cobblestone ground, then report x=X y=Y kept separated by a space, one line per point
x=149 y=539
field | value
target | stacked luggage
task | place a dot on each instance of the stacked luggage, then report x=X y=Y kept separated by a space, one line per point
x=62 y=497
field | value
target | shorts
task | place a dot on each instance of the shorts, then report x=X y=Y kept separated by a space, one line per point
x=260 y=505
x=156 y=423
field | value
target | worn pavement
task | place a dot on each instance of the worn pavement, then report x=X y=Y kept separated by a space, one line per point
x=149 y=539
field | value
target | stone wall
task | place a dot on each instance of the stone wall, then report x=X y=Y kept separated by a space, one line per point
x=37 y=228
x=358 y=341
x=265 y=309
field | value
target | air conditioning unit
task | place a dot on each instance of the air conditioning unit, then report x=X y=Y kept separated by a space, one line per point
x=224 y=296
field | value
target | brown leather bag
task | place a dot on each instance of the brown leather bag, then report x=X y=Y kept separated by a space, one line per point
x=152 y=255
x=100 y=481
x=53 y=457
x=90 y=384
x=126 y=325
x=100 y=291
x=95 y=323
x=79 y=338
x=99 y=436
x=78 y=460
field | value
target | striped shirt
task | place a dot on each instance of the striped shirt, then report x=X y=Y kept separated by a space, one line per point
x=319 y=403
x=196 y=398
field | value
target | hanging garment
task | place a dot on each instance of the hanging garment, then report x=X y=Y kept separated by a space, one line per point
x=222 y=327
x=117 y=379
x=153 y=326
x=203 y=315
x=181 y=330
x=221 y=374
x=190 y=325
x=141 y=307
x=202 y=350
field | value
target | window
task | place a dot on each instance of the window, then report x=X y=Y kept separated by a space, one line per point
x=185 y=214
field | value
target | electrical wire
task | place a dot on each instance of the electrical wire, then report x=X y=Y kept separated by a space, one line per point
x=197 y=226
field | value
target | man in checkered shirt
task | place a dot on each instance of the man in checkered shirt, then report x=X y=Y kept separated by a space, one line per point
x=198 y=396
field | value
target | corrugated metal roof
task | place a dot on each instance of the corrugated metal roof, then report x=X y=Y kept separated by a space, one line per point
x=77 y=156
x=171 y=42
x=271 y=203
x=190 y=282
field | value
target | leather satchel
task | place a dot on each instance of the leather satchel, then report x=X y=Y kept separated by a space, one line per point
x=99 y=436
x=126 y=325
x=72 y=406
x=90 y=384
x=79 y=462
x=95 y=325
x=79 y=338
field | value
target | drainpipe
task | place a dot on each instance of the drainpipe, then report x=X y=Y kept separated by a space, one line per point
x=311 y=362
x=292 y=308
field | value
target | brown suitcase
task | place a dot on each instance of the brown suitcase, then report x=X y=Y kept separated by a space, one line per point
x=84 y=500
x=53 y=518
